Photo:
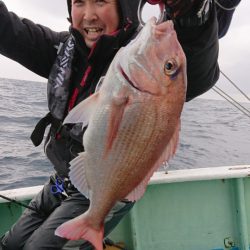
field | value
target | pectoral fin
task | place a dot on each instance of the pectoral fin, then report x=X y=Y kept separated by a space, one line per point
x=82 y=112
x=115 y=118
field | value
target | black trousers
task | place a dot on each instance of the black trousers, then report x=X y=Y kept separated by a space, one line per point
x=35 y=230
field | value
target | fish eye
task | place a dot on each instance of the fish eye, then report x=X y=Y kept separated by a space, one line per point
x=170 y=67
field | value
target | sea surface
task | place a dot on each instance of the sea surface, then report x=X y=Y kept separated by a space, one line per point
x=214 y=133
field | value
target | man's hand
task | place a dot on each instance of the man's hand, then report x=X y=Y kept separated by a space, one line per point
x=181 y=7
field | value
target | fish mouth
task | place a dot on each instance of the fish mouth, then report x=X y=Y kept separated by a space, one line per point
x=127 y=78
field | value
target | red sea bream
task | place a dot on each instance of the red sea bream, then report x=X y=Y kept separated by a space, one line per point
x=133 y=126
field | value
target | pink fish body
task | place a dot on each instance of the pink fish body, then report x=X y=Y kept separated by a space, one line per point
x=133 y=127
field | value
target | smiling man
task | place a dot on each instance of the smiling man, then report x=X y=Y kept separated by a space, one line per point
x=95 y=18
x=74 y=62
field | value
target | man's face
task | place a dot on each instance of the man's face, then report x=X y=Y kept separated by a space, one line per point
x=93 y=18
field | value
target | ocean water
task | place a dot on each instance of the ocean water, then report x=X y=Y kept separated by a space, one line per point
x=213 y=134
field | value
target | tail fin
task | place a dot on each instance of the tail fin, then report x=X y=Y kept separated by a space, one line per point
x=81 y=228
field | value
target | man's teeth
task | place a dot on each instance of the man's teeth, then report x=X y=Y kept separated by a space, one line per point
x=93 y=30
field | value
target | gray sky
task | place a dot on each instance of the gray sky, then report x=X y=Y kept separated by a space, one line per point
x=234 y=56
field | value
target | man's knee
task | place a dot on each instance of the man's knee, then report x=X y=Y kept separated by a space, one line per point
x=44 y=238
x=1 y=245
x=7 y=243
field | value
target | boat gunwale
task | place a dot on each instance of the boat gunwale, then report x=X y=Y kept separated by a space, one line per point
x=161 y=177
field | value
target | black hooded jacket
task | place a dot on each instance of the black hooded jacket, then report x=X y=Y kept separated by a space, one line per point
x=35 y=47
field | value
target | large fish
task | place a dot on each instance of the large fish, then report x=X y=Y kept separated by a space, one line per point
x=133 y=126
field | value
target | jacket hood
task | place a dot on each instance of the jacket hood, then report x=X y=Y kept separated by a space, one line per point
x=128 y=11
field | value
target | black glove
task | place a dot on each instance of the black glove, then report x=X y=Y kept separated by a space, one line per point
x=179 y=8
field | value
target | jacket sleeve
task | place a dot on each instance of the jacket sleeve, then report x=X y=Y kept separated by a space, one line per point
x=27 y=43
x=225 y=16
x=201 y=46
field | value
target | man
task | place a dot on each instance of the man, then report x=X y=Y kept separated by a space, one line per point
x=74 y=62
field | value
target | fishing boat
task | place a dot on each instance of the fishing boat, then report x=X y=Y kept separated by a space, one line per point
x=191 y=209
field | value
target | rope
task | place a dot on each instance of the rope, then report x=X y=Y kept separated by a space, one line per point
x=225 y=8
x=235 y=85
x=232 y=101
x=18 y=203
